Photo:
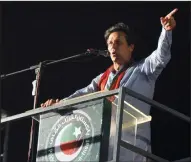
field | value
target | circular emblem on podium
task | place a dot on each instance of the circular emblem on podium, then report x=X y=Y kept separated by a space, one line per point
x=70 y=138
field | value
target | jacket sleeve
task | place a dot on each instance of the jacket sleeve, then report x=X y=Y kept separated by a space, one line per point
x=153 y=65
x=92 y=87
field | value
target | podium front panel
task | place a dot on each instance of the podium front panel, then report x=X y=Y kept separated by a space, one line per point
x=72 y=135
x=87 y=131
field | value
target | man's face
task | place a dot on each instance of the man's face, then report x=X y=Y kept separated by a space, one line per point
x=120 y=51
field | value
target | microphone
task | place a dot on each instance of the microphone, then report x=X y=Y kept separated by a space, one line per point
x=92 y=51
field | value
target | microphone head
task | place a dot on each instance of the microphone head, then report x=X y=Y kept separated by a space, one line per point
x=104 y=53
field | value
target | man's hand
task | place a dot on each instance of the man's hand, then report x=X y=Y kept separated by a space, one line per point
x=49 y=102
x=168 y=21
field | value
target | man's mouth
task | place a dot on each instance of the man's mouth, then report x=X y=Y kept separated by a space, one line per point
x=114 y=54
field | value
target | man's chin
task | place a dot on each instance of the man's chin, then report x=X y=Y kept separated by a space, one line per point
x=118 y=61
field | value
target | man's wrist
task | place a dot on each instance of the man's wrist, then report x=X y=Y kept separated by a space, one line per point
x=166 y=32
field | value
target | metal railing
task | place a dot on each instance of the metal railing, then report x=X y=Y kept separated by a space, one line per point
x=98 y=95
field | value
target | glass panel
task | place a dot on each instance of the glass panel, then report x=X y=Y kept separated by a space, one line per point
x=77 y=135
x=129 y=128
x=72 y=136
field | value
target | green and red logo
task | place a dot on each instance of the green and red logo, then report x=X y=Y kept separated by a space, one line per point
x=70 y=138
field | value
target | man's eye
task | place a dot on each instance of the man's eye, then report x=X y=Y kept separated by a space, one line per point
x=118 y=42
x=109 y=43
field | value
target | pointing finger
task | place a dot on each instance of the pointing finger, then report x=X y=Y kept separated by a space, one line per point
x=172 y=12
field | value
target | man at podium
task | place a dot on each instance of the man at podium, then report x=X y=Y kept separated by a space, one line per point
x=139 y=77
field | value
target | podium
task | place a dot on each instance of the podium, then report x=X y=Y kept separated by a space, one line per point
x=87 y=130
x=92 y=127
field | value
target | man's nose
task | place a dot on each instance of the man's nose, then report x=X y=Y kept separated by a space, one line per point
x=114 y=46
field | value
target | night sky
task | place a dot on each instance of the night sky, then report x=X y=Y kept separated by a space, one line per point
x=38 y=31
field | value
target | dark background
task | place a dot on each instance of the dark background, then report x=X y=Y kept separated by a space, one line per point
x=38 y=31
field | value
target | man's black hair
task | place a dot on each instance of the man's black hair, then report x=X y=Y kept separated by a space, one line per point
x=120 y=27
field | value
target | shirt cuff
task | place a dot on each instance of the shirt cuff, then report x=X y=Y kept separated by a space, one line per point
x=166 y=32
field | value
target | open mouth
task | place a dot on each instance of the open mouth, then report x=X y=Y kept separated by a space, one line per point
x=113 y=53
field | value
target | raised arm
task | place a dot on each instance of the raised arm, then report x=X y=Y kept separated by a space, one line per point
x=153 y=65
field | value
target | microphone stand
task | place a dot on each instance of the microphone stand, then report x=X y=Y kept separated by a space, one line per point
x=3 y=76
x=35 y=93
x=36 y=86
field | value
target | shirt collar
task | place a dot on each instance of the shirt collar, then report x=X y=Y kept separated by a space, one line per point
x=114 y=71
x=121 y=68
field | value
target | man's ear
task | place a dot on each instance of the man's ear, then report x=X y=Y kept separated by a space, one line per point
x=132 y=46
